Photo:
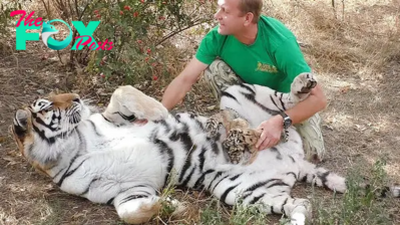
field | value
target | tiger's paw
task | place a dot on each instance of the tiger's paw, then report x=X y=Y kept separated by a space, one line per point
x=212 y=127
x=302 y=85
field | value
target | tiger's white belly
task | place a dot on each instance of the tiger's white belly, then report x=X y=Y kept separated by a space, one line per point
x=116 y=158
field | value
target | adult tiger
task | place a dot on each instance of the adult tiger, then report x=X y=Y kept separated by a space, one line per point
x=109 y=158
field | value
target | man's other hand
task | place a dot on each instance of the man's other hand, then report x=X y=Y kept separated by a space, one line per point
x=271 y=131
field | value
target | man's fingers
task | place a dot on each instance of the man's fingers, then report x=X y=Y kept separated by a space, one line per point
x=259 y=142
x=260 y=129
x=274 y=142
x=264 y=144
x=261 y=139
x=268 y=143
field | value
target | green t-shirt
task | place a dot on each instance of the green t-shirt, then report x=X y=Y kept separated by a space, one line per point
x=273 y=60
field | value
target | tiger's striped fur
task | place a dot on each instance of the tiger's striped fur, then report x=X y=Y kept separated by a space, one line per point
x=116 y=161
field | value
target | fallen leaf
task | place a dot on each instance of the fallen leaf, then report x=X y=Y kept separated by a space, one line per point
x=345 y=89
x=3 y=139
x=49 y=187
x=10 y=160
x=211 y=107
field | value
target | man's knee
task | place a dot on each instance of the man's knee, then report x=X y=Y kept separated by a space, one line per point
x=220 y=76
x=313 y=141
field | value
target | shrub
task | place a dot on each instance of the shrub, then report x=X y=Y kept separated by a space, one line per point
x=136 y=28
x=5 y=22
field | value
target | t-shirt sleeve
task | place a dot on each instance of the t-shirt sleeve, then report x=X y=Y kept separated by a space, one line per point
x=290 y=60
x=209 y=47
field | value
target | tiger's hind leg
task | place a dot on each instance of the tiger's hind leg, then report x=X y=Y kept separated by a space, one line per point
x=137 y=205
x=301 y=86
x=140 y=204
x=129 y=105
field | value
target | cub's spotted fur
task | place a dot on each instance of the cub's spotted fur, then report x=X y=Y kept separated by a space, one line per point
x=240 y=139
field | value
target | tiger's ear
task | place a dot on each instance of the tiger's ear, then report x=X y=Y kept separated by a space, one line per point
x=22 y=129
x=21 y=119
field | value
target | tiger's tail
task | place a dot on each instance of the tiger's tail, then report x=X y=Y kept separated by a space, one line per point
x=322 y=177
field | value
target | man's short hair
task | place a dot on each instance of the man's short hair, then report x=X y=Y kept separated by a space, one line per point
x=253 y=6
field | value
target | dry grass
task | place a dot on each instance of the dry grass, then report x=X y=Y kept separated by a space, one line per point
x=355 y=53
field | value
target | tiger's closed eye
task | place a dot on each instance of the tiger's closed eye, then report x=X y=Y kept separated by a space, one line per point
x=48 y=108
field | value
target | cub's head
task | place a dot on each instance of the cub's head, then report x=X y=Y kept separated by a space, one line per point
x=45 y=121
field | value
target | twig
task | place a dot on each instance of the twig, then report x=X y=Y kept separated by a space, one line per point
x=343 y=10
x=197 y=7
x=272 y=3
x=179 y=34
x=72 y=53
x=47 y=7
x=159 y=218
x=178 y=31
x=71 y=11
x=16 y=59
x=334 y=8
x=61 y=7
x=76 y=8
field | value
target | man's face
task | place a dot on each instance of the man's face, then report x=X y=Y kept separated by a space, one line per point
x=231 y=19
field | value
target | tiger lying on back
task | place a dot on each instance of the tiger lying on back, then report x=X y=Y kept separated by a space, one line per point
x=125 y=155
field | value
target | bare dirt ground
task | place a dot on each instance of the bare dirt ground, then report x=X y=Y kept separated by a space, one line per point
x=359 y=70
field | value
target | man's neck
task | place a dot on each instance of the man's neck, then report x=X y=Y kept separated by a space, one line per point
x=248 y=35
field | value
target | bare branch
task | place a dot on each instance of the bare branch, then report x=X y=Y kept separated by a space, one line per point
x=178 y=31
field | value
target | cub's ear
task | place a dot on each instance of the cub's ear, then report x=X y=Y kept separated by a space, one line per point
x=21 y=120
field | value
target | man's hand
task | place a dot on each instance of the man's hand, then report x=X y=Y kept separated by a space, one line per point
x=271 y=131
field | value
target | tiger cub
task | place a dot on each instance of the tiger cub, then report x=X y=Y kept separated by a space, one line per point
x=240 y=139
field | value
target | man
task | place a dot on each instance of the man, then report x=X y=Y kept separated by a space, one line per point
x=260 y=50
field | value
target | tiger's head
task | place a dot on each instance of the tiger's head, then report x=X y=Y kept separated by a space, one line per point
x=43 y=123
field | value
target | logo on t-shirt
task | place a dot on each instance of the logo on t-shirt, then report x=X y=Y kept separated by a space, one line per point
x=266 y=68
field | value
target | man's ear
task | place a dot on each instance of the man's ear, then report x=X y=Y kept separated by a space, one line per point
x=249 y=18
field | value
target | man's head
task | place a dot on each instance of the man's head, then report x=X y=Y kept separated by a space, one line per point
x=234 y=15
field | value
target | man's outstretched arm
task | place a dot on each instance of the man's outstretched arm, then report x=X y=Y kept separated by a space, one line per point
x=178 y=88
